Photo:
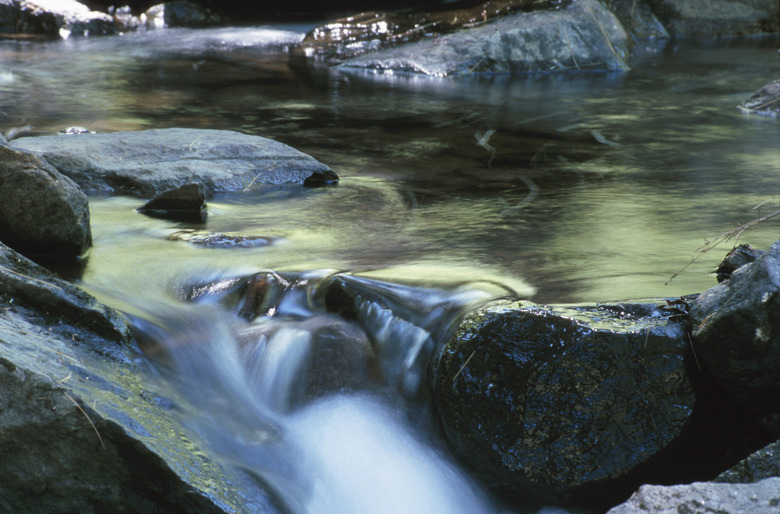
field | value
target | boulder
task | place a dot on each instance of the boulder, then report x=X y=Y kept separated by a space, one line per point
x=148 y=162
x=582 y=36
x=764 y=463
x=82 y=428
x=759 y=498
x=53 y=18
x=735 y=259
x=184 y=203
x=765 y=101
x=717 y=18
x=43 y=213
x=182 y=13
x=736 y=331
x=637 y=18
x=565 y=404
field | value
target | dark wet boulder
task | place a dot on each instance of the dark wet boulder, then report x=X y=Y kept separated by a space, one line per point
x=765 y=101
x=59 y=19
x=638 y=18
x=43 y=213
x=82 y=428
x=759 y=498
x=148 y=162
x=563 y=404
x=183 y=203
x=581 y=36
x=736 y=332
x=764 y=463
x=735 y=259
x=181 y=13
x=717 y=18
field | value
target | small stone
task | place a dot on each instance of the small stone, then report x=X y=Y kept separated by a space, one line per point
x=184 y=203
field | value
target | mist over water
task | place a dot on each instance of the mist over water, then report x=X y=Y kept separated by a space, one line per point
x=564 y=188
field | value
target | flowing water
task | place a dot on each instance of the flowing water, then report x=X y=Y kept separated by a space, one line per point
x=558 y=188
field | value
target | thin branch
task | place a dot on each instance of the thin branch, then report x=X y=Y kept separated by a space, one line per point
x=86 y=416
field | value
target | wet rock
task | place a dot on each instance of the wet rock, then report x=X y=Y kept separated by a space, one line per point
x=562 y=404
x=180 y=13
x=760 y=498
x=184 y=203
x=371 y=31
x=59 y=19
x=81 y=427
x=43 y=213
x=735 y=259
x=221 y=240
x=764 y=463
x=637 y=18
x=765 y=101
x=736 y=332
x=582 y=36
x=716 y=18
x=149 y=162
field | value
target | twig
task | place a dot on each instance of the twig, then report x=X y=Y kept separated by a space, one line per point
x=726 y=236
x=86 y=416
x=463 y=367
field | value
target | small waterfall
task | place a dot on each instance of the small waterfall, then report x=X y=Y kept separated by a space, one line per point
x=310 y=404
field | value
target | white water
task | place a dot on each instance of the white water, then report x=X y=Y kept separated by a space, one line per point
x=350 y=452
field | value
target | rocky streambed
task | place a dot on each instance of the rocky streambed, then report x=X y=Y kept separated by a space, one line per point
x=572 y=405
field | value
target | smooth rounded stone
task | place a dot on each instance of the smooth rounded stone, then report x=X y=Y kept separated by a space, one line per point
x=149 y=162
x=561 y=404
x=584 y=36
x=43 y=213
x=759 y=498
x=736 y=329
x=717 y=18
x=765 y=101
x=184 y=203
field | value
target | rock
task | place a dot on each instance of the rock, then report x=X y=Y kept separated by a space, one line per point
x=735 y=259
x=717 y=18
x=765 y=101
x=371 y=31
x=82 y=429
x=181 y=13
x=50 y=18
x=736 y=330
x=184 y=203
x=221 y=240
x=43 y=213
x=563 y=404
x=149 y=162
x=583 y=36
x=637 y=18
x=764 y=463
x=760 y=498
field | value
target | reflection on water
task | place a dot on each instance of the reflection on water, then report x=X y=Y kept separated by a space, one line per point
x=628 y=173
x=564 y=188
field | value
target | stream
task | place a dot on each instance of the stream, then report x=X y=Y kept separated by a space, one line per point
x=554 y=188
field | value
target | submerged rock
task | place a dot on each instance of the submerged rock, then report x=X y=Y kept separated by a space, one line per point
x=561 y=404
x=221 y=240
x=759 y=498
x=81 y=427
x=184 y=203
x=765 y=101
x=148 y=162
x=43 y=213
